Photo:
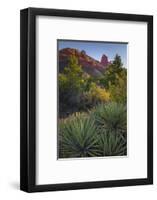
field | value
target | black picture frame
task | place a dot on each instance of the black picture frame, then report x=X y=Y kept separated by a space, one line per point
x=28 y=99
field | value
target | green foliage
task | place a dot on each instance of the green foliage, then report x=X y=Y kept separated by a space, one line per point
x=94 y=96
x=118 y=91
x=72 y=76
x=71 y=84
x=80 y=92
x=78 y=137
x=100 y=132
x=99 y=94
x=115 y=81
x=117 y=61
x=110 y=75
x=111 y=144
x=111 y=117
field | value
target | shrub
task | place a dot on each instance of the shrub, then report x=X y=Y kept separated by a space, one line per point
x=94 y=96
x=111 y=116
x=100 y=132
x=78 y=137
x=71 y=84
x=99 y=94
x=111 y=144
x=110 y=75
x=118 y=91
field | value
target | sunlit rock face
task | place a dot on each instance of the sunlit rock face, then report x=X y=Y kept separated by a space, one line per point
x=90 y=65
x=104 y=60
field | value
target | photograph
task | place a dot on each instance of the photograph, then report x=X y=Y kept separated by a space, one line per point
x=92 y=98
x=86 y=99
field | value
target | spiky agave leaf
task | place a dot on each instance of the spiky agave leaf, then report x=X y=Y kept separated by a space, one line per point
x=78 y=137
x=111 y=116
x=111 y=144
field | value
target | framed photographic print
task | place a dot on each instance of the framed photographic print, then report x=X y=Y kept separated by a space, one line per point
x=86 y=99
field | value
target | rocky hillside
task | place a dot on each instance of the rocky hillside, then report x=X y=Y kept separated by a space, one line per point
x=90 y=65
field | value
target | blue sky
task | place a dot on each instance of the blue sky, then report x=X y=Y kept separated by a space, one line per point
x=97 y=49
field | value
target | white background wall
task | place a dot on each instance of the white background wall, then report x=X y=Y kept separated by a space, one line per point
x=10 y=103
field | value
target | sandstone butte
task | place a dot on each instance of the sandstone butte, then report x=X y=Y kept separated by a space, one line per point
x=90 y=65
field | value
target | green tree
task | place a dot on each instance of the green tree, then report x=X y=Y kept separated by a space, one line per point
x=118 y=91
x=71 y=84
x=110 y=75
x=117 y=61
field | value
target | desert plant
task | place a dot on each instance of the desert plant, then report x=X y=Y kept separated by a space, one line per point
x=78 y=136
x=94 y=96
x=111 y=144
x=113 y=69
x=118 y=91
x=71 y=84
x=99 y=94
x=111 y=116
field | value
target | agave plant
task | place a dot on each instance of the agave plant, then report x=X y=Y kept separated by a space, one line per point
x=111 y=144
x=78 y=137
x=111 y=116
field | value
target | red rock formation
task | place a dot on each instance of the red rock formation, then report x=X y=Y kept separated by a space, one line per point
x=89 y=64
x=104 y=60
